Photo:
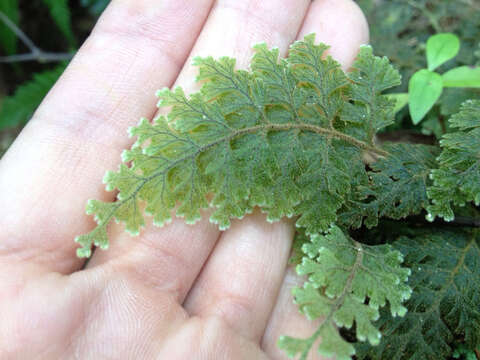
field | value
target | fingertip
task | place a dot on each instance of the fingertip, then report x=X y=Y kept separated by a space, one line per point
x=340 y=24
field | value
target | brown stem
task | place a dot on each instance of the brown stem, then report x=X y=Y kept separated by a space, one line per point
x=316 y=129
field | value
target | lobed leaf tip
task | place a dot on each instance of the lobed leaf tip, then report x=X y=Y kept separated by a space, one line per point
x=124 y=156
x=133 y=232
x=90 y=207
x=259 y=45
x=83 y=252
x=162 y=223
x=162 y=92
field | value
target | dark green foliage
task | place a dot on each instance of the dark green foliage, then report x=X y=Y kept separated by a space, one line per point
x=60 y=13
x=445 y=303
x=395 y=186
x=461 y=352
x=8 y=39
x=457 y=180
x=18 y=108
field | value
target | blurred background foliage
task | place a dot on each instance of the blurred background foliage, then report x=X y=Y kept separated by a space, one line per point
x=399 y=30
x=55 y=29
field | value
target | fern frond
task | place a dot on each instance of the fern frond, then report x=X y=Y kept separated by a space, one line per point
x=445 y=303
x=457 y=179
x=342 y=274
x=276 y=137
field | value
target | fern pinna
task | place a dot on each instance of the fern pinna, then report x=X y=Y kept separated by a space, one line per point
x=296 y=137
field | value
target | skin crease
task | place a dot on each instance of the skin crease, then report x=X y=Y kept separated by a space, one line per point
x=178 y=292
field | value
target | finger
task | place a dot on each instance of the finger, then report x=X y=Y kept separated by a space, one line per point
x=326 y=16
x=172 y=257
x=241 y=279
x=340 y=24
x=58 y=161
x=287 y=320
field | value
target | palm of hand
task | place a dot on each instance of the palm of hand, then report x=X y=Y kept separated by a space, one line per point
x=180 y=292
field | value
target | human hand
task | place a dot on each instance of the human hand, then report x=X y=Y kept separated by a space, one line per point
x=178 y=292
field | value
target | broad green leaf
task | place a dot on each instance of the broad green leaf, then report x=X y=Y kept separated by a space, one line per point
x=401 y=99
x=457 y=179
x=279 y=137
x=342 y=274
x=445 y=303
x=441 y=48
x=60 y=12
x=424 y=89
x=463 y=76
x=8 y=39
x=17 y=109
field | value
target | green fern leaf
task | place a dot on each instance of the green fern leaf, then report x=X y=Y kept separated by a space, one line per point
x=273 y=137
x=457 y=180
x=445 y=303
x=60 y=13
x=395 y=187
x=342 y=274
x=17 y=109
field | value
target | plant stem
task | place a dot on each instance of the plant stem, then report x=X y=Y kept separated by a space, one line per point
x=316 y=129
x=36 y=54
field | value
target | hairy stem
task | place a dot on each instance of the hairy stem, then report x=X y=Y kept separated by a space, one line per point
x=316 y=129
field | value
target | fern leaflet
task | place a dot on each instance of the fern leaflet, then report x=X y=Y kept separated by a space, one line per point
x=445 y=303
x=457 y=180
x=342 y=273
